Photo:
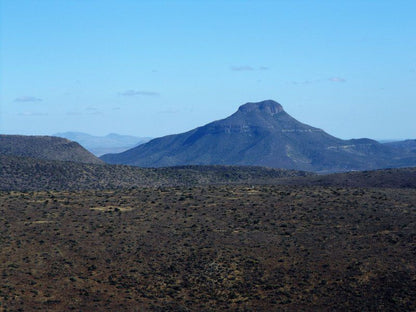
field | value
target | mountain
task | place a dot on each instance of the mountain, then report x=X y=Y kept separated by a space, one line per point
x=45 y=147
x=406 y=146
x=99 y=145
x=262 y=134
x=407 y=151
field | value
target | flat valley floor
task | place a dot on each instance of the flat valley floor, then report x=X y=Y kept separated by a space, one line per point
x=212 y=248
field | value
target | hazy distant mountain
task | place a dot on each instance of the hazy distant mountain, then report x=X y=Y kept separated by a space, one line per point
x=262 y=134
x=45 y=147
x=385 y=178
x=407 y=146
x=387 y=140
x=406 y=150
x=99 y=145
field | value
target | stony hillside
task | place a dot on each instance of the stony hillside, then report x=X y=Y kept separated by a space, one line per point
x=45 y=147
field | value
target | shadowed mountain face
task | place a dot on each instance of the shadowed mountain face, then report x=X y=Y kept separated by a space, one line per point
x=262 y=134
x=45 y=147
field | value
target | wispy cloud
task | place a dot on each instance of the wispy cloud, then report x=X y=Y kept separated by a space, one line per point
x=242 y=68
x=27 y=99
x=305 y=82
x=91 y=110
x=96 y=113
x=337 y=79
x=169 y=111
x=248 y=68
x=139 y=93
x=29 y=114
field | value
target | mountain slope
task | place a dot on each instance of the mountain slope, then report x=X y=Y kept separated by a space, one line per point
x=99 y=145
x=260 y=134
x=45 y=147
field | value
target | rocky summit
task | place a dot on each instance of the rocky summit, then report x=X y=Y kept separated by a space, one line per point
x=263 y=134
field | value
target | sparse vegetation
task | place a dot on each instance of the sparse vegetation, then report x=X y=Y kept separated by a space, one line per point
x=90 y=237
x=238 y=248
x=19 y=173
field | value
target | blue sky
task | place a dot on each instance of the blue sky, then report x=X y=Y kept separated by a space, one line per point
x=152 y=68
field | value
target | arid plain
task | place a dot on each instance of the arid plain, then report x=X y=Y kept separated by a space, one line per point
x=209 y=248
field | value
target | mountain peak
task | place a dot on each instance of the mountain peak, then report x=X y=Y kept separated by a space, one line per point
x=269 y=107
x=263 y=134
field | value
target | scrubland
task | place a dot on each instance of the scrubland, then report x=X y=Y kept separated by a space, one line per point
x=209 y=248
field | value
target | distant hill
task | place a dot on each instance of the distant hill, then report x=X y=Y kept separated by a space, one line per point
x=406 y=146
x=263 y=134
x=45 y=147
x=386 y=178
x=27 y=174
x=99 y=145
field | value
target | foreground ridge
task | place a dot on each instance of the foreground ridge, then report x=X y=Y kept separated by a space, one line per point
x=29 y=174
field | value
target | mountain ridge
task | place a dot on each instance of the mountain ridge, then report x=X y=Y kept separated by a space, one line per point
x=46 y=148
x=262 y=134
